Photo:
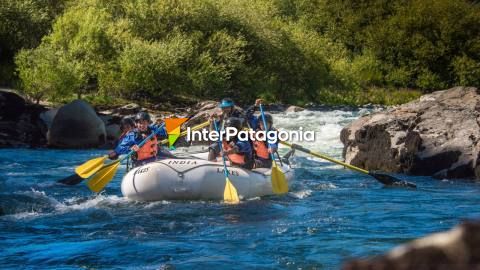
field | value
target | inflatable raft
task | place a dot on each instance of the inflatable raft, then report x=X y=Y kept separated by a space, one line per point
x=194 y=179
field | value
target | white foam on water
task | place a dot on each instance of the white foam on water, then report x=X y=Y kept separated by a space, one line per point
x=99 y=201
x=326 y=186
x=25 y=215
x=157 y=203
x=327 y=126
x=301 y=194
x=70 y=204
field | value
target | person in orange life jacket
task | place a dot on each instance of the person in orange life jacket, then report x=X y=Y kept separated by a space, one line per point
x=239 y=153
x=228 y=110
x=148 y=152
x=262 y=149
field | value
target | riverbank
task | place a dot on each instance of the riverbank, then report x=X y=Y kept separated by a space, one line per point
x=28 y=125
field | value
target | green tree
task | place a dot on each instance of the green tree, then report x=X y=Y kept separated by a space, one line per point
x=22 y=25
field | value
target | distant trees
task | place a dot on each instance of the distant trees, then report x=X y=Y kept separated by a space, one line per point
x=425 y=44
x=285 y=50
x=22 y=25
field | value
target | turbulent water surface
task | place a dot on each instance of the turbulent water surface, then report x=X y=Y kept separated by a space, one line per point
x=330 y=215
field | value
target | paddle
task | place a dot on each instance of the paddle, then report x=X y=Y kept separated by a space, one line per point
x=279 y=182
x=381 y=177
x=84 y=171
x=106 y=174
x=92 y=166
x=230 y=194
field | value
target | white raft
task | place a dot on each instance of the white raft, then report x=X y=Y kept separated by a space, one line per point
x=194 y=179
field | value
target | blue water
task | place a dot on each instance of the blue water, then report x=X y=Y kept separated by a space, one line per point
x=330 y=215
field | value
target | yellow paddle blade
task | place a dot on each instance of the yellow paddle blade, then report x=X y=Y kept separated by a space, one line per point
x=103 y=177
x=230 y=194
x=90 y=167
x=279 y=182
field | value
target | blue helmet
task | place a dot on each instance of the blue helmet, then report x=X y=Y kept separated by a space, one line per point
x=226 y=102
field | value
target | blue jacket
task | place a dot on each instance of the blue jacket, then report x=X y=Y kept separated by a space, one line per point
x=132 y=138
x=251 y=118
x=244 y=147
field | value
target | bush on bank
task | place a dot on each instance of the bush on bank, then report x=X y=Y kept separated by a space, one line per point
x=290 y=51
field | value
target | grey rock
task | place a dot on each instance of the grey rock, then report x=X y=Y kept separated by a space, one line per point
x=131 y=108
x=457 y=249
x=294 y=109
x=76 y=125
x=436 y=135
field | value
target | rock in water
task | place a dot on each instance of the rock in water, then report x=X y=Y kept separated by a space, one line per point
x=457 y=249
x=436 y=135
x=76 y=125
x=294 y=109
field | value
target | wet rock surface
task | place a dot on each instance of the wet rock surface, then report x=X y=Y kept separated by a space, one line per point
x=457 y=249
x=20 y=125
x=436 y=135
x=76 y=125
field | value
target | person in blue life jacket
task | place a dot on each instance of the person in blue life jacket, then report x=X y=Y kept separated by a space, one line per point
x=238 y=152
x=253 y=120
x=127 y=124
x=228 y=109
x=148 y=152
x=262 y=149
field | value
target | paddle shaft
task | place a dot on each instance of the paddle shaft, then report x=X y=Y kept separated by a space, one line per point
x=266 y=130
x=225 y=171
x=301 y=148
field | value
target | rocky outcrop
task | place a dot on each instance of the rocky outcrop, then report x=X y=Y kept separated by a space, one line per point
x=20 y=125
x=294 y=109
x=457 y=249
x=436 y=135
x=204 y=110
x=76 y=125
x=128 y=109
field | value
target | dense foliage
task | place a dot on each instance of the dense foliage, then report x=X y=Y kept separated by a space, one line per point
x=293 y=51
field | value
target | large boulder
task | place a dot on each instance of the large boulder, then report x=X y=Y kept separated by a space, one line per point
x=11 y=105
x=19 y=121
x=76 y=125
x=437 y=135
x=457 y=249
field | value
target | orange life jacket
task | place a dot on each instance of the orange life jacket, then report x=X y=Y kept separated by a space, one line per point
x=238 y=159
x=261 y=149
x=148 y=150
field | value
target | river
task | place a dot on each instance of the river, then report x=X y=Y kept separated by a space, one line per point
x=330 y=215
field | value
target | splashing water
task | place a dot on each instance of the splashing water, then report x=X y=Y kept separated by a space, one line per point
x=330 y=215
